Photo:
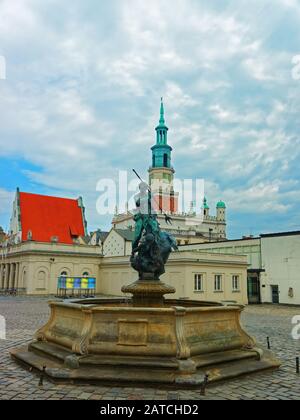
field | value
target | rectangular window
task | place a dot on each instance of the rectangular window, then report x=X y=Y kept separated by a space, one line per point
x=235 y=283
x=198 y=285
x=218 y=283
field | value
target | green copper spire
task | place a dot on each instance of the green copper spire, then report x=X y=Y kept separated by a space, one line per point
x=162 y=114
x=162 y=129
x=221 y=205
x=161 y=152
x=205 y=204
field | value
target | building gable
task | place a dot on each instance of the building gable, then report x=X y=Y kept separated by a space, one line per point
x=50 y=219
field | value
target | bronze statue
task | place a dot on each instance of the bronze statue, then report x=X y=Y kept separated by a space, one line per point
x=151 y=247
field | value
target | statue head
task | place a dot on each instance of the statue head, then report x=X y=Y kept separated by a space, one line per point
x=143 y=187
x=149 y=238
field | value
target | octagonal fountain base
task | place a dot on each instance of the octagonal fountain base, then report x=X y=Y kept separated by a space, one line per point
x=113 y=341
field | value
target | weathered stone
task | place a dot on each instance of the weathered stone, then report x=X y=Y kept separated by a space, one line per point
x=72 y=362
x=177 y=343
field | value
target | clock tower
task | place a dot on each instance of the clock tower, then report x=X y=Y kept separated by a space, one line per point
x=161 y=173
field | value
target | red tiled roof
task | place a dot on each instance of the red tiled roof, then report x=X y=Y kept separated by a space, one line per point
x=47 y=217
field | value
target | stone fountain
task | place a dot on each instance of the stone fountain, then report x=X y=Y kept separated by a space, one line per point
x=146 y=339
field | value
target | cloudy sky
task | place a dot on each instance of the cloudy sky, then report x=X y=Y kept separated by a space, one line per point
x=83 y=83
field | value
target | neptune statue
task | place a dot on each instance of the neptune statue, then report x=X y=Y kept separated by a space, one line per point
x=151 y=247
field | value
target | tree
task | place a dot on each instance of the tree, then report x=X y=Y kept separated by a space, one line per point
x=2 y=234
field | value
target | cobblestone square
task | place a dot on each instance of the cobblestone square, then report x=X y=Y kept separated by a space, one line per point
x=24 y=315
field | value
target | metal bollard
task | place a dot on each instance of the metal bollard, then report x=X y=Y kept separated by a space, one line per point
x=297 y=365
x=268 y=342
x=41 y=381
x=204 y=385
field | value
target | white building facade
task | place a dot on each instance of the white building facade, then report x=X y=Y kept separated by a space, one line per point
x=33 y=268
x=280 y=281
x=273 y=265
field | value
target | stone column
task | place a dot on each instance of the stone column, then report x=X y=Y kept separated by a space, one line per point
x=12 y=284
x=11 y=274
x=6 y=277
x=1 y=276
x=17 y=275
x=14 y=276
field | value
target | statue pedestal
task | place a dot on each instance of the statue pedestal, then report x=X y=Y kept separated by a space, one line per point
x=148 y=292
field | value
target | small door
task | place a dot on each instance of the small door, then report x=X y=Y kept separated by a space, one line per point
x=254 y=288
x=275 y=294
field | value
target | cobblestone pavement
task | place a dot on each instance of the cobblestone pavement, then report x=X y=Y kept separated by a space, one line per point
x=25 y=315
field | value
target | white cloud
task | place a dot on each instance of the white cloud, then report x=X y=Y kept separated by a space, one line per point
x=292 y=4
x=6 y=199
x=176 y=97
x=16 y=14
x=278 y=113
x=81 y=99
x=260 y=69
x=204 y=86
x=263 y=198
x=227 y=115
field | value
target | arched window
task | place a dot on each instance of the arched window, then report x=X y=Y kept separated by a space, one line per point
x=41 y=280
x=166 y=160
x=24 y=279
x=85 y=274
x=64 y=274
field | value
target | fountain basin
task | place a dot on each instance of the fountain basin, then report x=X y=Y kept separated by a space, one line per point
x=110 y=340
